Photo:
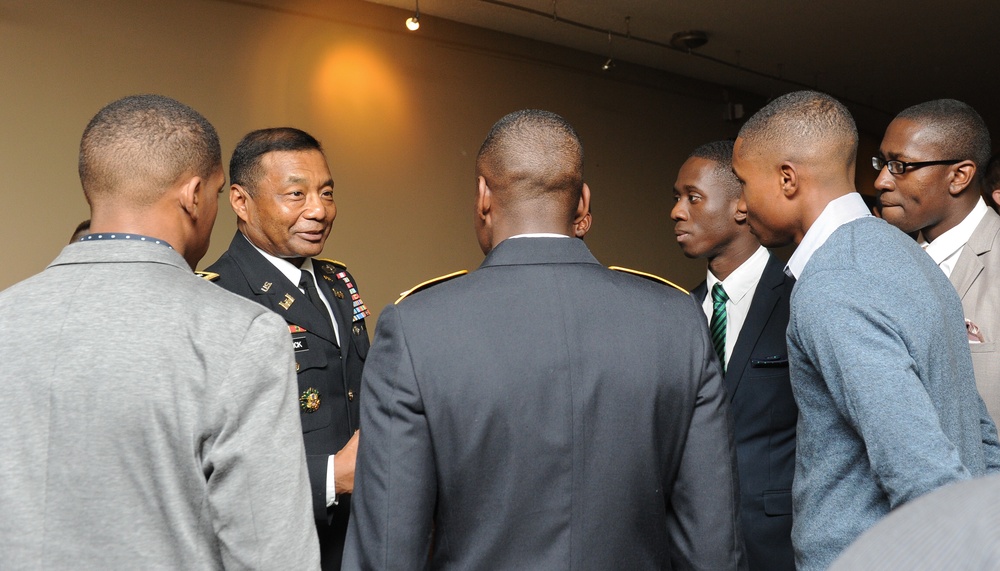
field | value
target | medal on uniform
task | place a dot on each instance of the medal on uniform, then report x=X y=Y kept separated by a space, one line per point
x=309 y=401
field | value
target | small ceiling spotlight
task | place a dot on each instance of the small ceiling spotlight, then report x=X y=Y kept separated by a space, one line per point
x=689 y=40
x=413 y=22
x=610 y=62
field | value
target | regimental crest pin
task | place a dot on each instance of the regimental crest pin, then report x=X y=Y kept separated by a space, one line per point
x=309 y=401
x=328 y=268
x=287 y=302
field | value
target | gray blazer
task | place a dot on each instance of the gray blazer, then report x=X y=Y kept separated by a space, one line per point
x=149 y=421
x=977 y=278
x=544 y=412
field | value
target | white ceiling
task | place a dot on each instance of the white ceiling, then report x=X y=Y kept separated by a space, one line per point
x=874 y=55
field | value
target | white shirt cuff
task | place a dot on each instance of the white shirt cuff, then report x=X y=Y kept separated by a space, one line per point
x=331 y=483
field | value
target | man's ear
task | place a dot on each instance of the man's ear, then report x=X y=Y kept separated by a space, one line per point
x=190 y=196
x=740 y=210
x=996 y=196
x=789 y=179
x=238 y=199
x=582 y=205
x=961 y=177
x=484 y=200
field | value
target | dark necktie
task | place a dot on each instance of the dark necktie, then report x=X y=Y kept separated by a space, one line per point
x=306 y=282
x=717 y=326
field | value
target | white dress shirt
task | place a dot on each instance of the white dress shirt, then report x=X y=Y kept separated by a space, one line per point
x=293 y=273
x=740 y=287
x=946 y=248
x=838 y=212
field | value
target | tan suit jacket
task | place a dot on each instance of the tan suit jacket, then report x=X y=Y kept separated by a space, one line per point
x=977 y=278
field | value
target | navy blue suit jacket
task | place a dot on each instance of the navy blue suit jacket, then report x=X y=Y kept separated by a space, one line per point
x=764 y=417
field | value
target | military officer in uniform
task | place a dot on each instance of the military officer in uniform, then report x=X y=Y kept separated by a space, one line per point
x=282 y=193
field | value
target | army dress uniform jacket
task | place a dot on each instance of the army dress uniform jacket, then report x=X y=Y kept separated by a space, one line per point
x=328 y=376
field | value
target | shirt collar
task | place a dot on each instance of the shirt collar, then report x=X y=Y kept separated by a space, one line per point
x=539 y=235
x=953 y=240
x=838 y=212
x=287 y=269
x=744 y=278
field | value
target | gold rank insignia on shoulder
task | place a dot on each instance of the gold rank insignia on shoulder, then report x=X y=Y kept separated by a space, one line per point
x=424 y=285
x=210 y=276
x=651 y=277
x=331 y=266
x=309 y=401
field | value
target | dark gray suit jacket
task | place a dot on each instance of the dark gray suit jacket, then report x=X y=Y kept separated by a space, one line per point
x=764 y=417
x=544 y=412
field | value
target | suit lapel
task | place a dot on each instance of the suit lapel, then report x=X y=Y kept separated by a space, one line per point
x=700 y=292
x=764 y=299
x=970 y=263
x=273 y=290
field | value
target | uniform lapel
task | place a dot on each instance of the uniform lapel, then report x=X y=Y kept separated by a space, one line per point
x=764 y=300
x=273 y=290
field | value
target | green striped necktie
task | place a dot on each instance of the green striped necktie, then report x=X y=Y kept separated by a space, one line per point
x=717 y=327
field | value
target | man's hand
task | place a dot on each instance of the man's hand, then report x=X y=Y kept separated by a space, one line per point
x=343 y=463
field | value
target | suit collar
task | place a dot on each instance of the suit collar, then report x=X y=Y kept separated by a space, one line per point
x=529 y=251
x=119 y=251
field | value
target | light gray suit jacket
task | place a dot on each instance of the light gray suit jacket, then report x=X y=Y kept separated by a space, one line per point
x=149 y=421
x=544 y=412
x=976 y=277
x=956 y=527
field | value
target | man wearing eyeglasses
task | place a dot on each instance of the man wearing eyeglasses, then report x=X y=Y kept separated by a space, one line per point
x=931 y=165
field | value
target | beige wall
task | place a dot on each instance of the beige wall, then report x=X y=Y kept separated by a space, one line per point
x=401 y=116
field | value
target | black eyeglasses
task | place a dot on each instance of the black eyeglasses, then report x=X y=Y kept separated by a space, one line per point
x=899 y=167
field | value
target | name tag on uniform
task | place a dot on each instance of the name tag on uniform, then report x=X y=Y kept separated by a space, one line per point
x=300 y=344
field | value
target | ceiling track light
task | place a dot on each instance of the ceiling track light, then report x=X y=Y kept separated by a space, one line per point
x=413 y=22
x=610 y=62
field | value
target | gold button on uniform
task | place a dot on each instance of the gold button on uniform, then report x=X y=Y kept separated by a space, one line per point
x=350 y=394
x=357 y=330
x=297 y=367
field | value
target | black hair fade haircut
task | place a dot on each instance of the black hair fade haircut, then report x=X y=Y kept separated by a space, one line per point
x=721 y=153
x=244 y=166
x=961 y=132
x=803 y=119
x=137 y=146
x=530 y=152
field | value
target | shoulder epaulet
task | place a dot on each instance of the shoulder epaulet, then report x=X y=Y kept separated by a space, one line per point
x=429 y=283
x=651 y=277
x=337 y=263
x=210 y=276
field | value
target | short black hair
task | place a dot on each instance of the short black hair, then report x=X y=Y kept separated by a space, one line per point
x=139 y=145
x=244 y=166
x=802 y=120
x=721 y=153
x=531 y=152
x=82 y=229
x=962 y=133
